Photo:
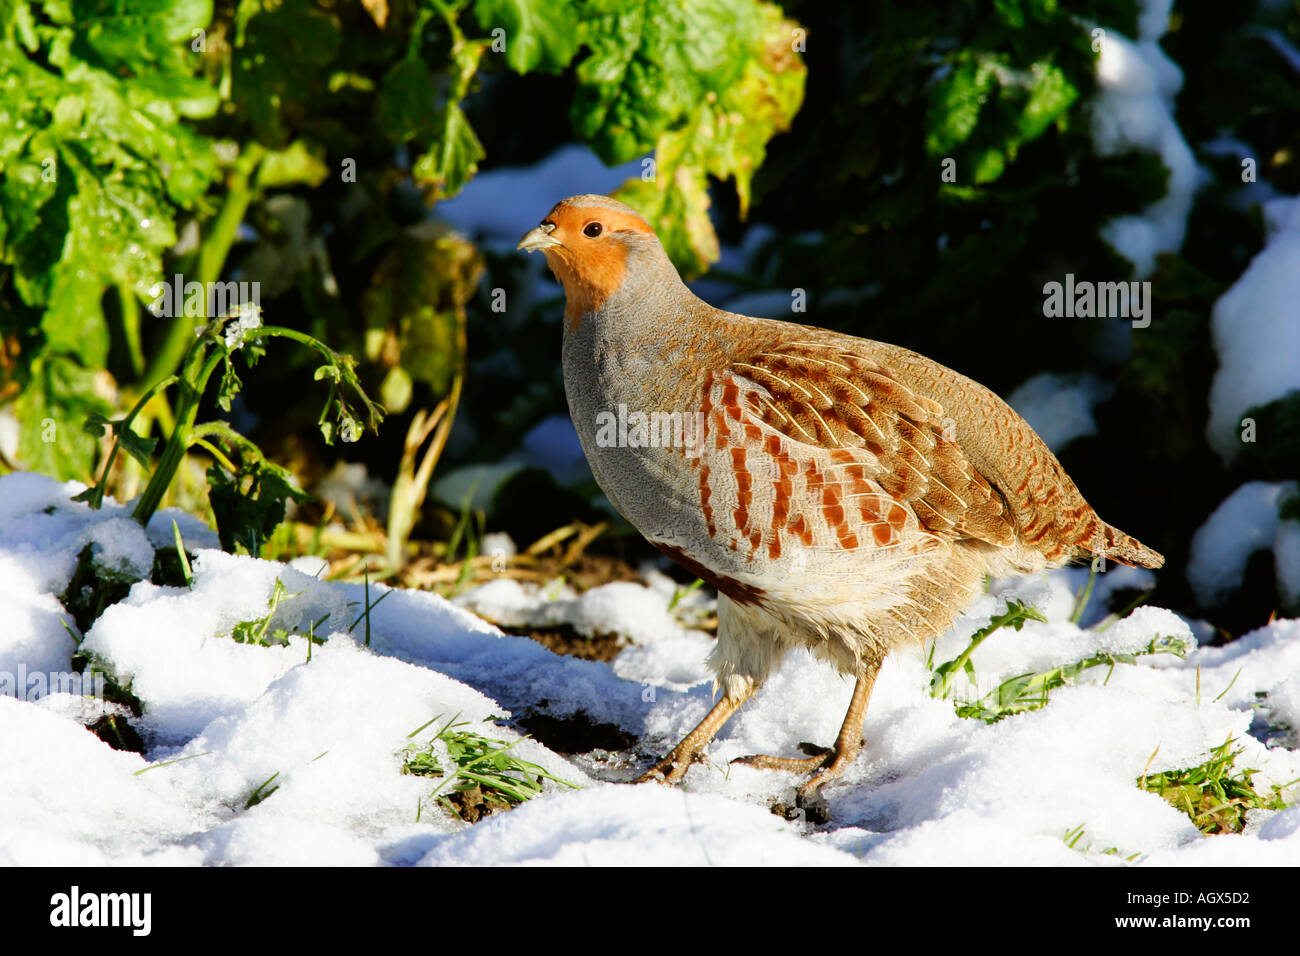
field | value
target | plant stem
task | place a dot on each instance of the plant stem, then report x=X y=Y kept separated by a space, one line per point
x=959 y=662
x=191 y=388
x=131 y=327
x=212 y=259
x=1081 y=599
x=136 y=409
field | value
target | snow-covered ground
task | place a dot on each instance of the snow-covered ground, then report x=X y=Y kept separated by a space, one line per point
x=221 y=718
x=1256 y=326
x=1248 y=520
x=1137 y=84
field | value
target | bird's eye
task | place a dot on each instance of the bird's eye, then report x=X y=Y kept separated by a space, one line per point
x=591 y=230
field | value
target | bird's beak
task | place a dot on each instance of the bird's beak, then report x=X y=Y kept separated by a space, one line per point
x=539 y=238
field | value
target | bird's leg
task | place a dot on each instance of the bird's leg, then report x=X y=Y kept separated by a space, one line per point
x=830 y=763
x=673 y=767
x=849 y=741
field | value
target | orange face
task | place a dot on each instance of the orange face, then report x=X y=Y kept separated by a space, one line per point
x=585 y=248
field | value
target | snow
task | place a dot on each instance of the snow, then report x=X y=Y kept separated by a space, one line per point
x=221 y=719
x=69 y=799
x=1256 y=328
x=610 y=825
x=1245 y=522
x=31 y=626
x=620 y=607
x=1059 y=407
x=1284 y=700
x=169 y=645
x=1134 y=110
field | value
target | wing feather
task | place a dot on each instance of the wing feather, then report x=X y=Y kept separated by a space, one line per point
x=833 y=399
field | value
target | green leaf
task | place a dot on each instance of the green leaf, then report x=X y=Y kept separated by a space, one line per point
x=955 y=105
x=984 y=111
x=277 y=48
x=182 y=557
x=540 y=35
x=51 y=411
x=652 y=63
x=187 y=95
x=731 y=137
x=138 y=447
x=24 y=25
x=229 y=386
x=302 y=162
x=405 y=103
x=396 y=389
x=137 y=35
x=450 y=163
x=250 y=505
x=989 y=165
x=1050 y=96
x=680 y=215
x=415 y=309
x=725 y=136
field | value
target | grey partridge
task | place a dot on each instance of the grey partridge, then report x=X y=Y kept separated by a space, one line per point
x=843 y=495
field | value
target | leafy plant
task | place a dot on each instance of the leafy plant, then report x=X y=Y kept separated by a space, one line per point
x=258 y=630
x=1015 y=616
x=484 y=777
x=248 y=498
x=93 y=588
x=714 y=118
x=1075 y=834
x=1026 y=692
x=264 y=790
x=279 y=144
x=1216 y=795
x=99 y=154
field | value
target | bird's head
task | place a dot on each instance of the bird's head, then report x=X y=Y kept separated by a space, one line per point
x=594 y=244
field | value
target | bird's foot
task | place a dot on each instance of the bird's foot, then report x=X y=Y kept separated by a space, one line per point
x=819 y=756
x=672 y=768
x=834 y=765
x=825 y=764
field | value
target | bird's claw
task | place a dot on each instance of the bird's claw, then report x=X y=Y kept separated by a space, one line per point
x=825 y=764
x=671 y=769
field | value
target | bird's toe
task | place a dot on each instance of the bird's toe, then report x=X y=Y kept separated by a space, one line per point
x=789 y=764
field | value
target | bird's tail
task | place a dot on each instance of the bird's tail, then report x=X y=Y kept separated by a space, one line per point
x=1108 y=541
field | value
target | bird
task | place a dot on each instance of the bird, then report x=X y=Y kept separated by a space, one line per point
x=841 y=494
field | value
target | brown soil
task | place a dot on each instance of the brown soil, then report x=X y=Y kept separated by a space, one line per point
x=471 y=805
x=574 y=734
x=563 y=639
